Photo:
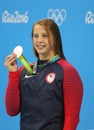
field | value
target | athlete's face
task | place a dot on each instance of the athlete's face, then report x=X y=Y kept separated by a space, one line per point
x=42 y=44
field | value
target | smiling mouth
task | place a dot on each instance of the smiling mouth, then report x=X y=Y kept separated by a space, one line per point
x=40 y=46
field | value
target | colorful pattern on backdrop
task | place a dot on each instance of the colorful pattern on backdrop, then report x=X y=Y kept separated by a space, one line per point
x=75 y=19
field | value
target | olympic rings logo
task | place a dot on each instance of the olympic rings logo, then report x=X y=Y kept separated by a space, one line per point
x=57 y=15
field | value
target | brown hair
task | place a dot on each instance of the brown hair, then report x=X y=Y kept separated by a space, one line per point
x=53 y=30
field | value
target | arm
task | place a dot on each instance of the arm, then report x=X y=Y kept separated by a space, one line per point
x=73 y=92
x=12 y=96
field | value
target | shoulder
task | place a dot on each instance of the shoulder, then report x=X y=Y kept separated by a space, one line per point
x=70 y=72
x=66 y=65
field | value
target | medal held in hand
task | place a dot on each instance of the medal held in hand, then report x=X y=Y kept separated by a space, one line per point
x=18 y=50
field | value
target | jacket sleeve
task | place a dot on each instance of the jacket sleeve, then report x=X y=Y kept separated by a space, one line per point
x=73 y=92
x=12 y=95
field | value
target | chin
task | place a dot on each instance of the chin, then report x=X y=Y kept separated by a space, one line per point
x=41 y=52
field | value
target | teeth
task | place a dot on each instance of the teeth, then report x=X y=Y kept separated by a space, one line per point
x=40 y=46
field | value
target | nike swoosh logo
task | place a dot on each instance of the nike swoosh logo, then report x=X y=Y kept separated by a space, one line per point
x=28 y=76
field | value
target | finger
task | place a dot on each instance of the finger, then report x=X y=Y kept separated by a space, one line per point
x=11 y=58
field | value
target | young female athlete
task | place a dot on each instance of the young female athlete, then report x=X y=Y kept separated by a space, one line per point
x=50 y=98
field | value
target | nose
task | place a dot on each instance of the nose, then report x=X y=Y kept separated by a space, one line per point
x=40 y=39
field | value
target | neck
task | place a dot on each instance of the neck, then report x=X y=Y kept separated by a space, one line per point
x=45 y=57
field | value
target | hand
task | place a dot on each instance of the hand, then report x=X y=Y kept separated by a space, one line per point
x=11 y=63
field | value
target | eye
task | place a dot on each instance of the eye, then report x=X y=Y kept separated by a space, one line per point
x=45 y=35
x=35 y=35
